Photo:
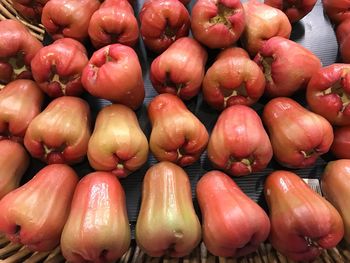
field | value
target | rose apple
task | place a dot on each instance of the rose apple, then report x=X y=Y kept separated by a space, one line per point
x=30 y=9
x=117 y=144
x=113 y=22
x=60 y=134
x=20 y=102
x=343 y=36
x=233 y=79
x=294 y=9
x=238 y=144
x=167 y=223
x=302 y=222
x=328 y=93
x=337 y=10
x=97 y=229
x=288 y=66
x=298 y=136
x=233 y=224
x=162 y=23
x=177 y=135
x=35 y=213
x=14 y=161
x=336 y=188
x=68 y=18
x=17 y=49
x=57 y=67
x=180 y=69
x=217 y=23
x=262 y=23
x=341 y=144
x=114 y=73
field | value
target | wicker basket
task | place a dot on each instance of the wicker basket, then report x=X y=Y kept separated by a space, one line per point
x=8 y=12
x=13 y=253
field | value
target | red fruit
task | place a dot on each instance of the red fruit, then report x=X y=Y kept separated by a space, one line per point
x=217 y=24
x=336 y=188
x=298 y=136
x=57 y=67
x=337 y=10
x=238 y=143
x=341 y=144
x=233 y=79
x=288 y=66
x=20 y=102
x=162 y=23
x=30 y=9
x=343 y=36
x=262 y=23
x=14 y=162
x=117 y=144
x=17 y=48
x=233 y=225
x=97 y=229
x=302 y=222
x=167 y=223
x=177 y=135
x=35 y=213
x=68 y=18
x=114 y=73
x=180 y=69
x=295 y=10
x=60 y=134
x=113 y=22
x=328 y=93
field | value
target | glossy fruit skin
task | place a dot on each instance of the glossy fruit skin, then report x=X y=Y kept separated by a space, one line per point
x=288 y=66
x=340 y=147
x=30 y=9
x=295 y=10
x=68 y=18
x=14 y=161
x=97 y=229
x=336 y=188
x=233 y=79
x=57 y=67
x=328 y=93
x=162 y=23
x=17 y=49
x=113 y=22
x=114 y=73
x=233 y=225
x=60 y=134
x=302 y=221
x=298 y=136
x=238 y=144
x=217 y=23
x=20 y=102
x=343 y=37
x=117 y=144
x=35 y=213
x=167 y=223
x=177 y=134
x=262 y=23
x=337 y=10
x=180 y=69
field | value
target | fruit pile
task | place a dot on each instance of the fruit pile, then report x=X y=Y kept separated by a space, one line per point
x=45 y=115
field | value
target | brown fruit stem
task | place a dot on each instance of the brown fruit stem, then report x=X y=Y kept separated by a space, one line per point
x=266 y=63
x=240 y=91
x=246 y=161
x=222 y=17
x=171 y=84
x=309 y=153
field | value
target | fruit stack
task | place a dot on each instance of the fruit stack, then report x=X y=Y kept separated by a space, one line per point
x=267 y=107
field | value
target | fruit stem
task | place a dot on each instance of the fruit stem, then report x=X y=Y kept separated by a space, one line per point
x=222 y=17
x=266 y=63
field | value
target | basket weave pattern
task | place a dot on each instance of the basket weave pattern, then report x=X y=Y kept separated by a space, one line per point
x=8 y=12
